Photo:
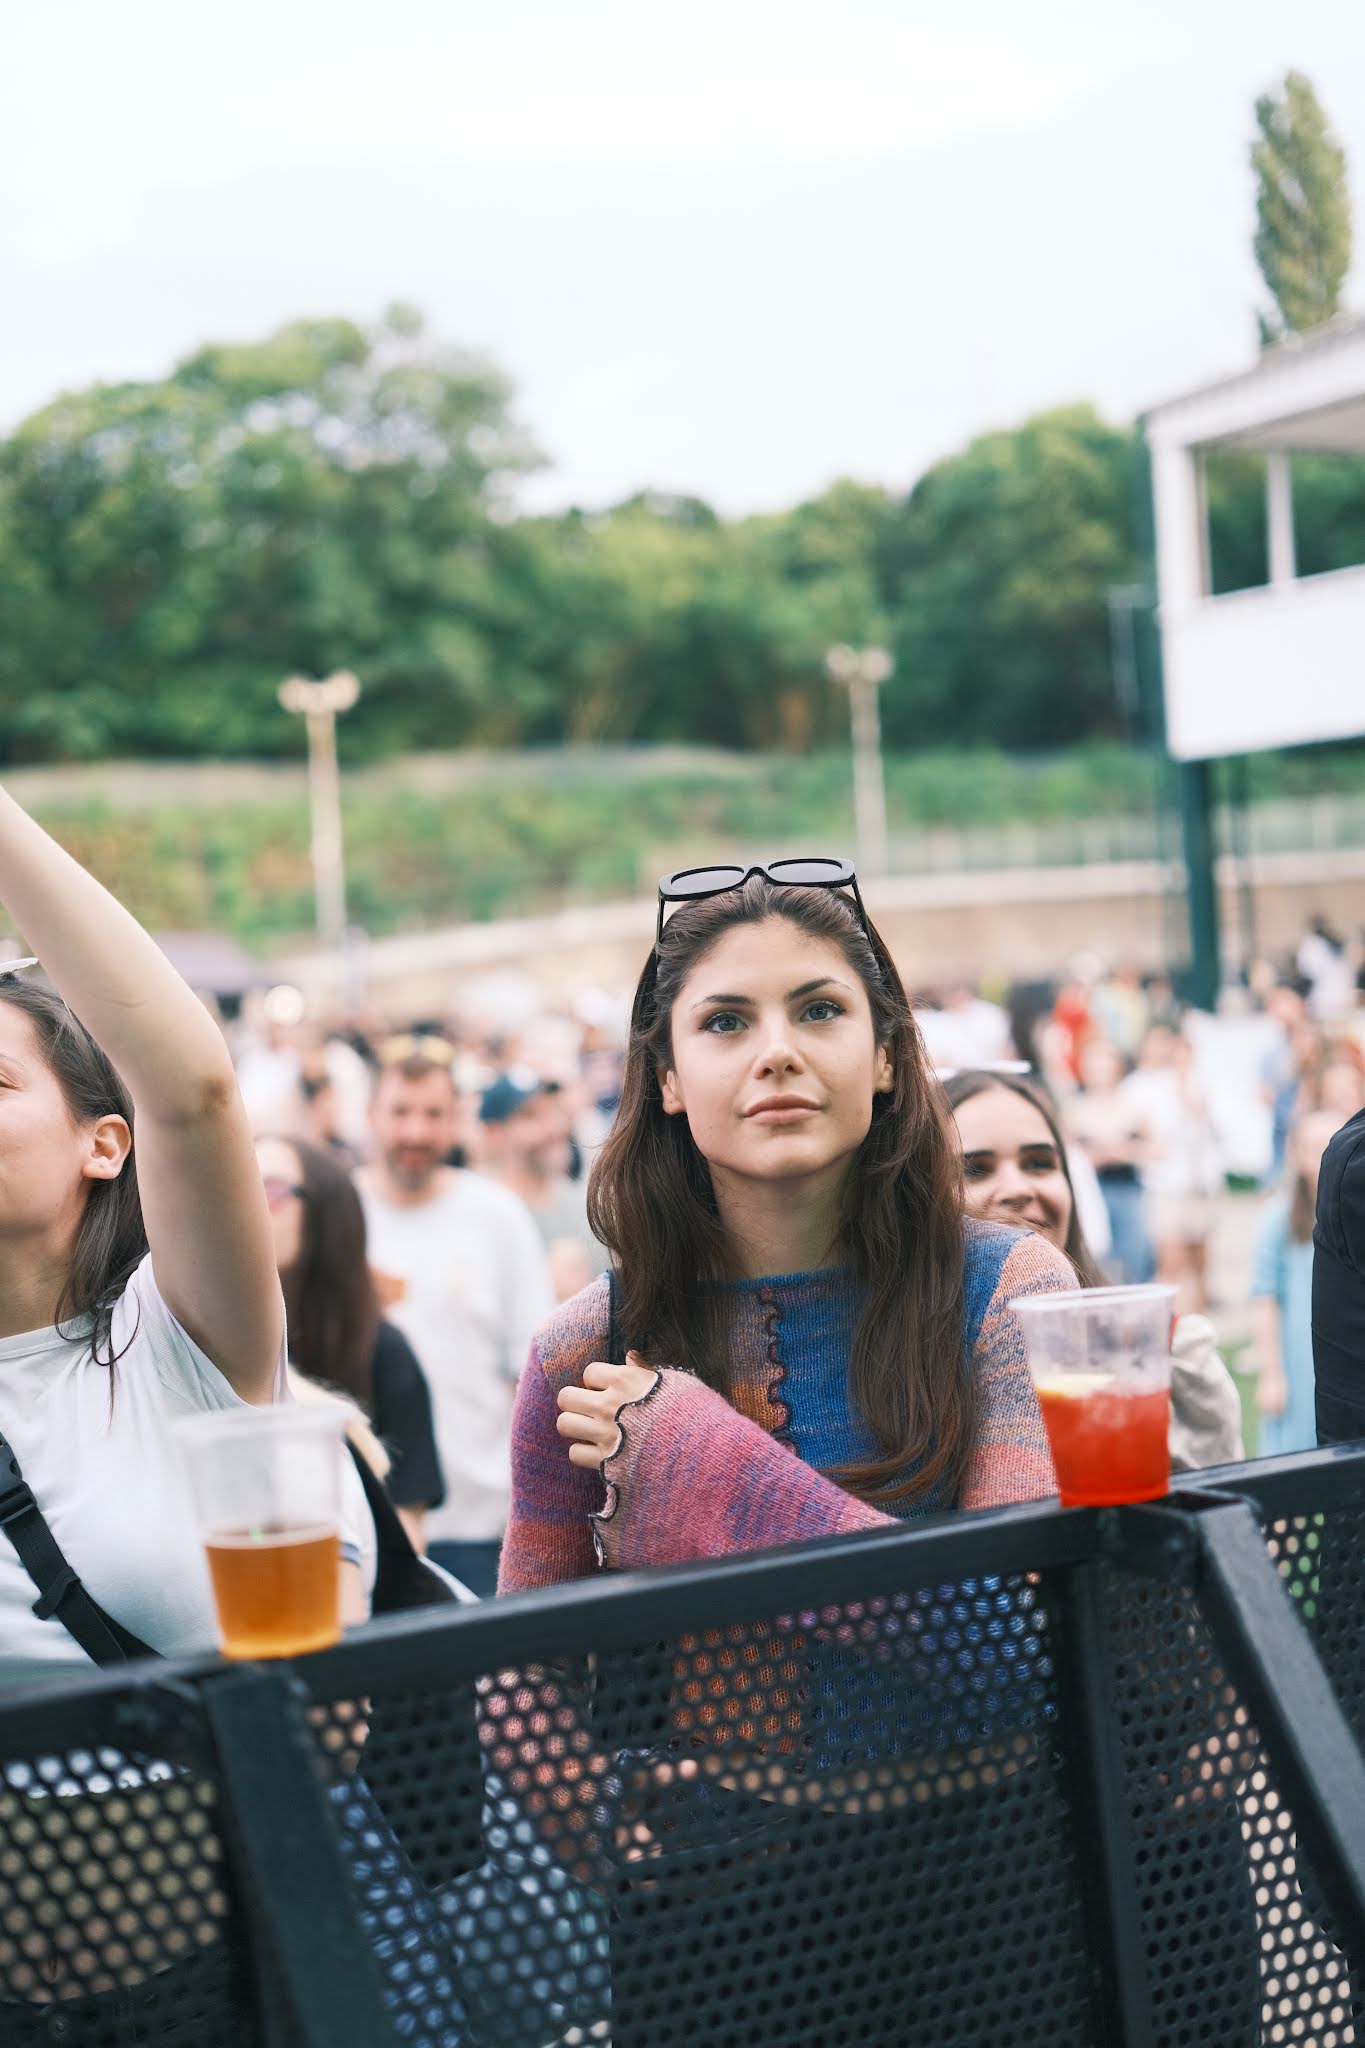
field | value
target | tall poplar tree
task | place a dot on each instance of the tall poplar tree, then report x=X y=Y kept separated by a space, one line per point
x=1303 y=210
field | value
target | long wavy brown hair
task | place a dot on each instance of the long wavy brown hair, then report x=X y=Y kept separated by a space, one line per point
x=330 y=1303
x=650 y=1201
x=111 y=1240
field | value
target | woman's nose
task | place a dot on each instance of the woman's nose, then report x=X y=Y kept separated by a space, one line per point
x=778 y=1048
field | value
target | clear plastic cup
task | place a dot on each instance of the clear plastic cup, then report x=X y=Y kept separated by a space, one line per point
x=266 y=1484
x=1101 y=1364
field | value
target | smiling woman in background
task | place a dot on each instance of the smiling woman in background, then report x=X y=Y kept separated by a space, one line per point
x=1015 y=1169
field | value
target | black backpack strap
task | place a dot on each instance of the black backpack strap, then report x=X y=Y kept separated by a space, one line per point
x=61 y=1595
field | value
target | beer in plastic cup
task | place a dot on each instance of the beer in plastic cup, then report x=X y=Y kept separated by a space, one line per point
x=1101 y=1364
x=267 y=1489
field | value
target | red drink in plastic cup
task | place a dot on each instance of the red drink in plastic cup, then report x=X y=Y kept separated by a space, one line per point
x=1101 y=1365
x=1109 y=1440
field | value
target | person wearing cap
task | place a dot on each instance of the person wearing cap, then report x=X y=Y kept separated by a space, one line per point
x=525 y=1130
x=1339 y=1287
x=461 y=1270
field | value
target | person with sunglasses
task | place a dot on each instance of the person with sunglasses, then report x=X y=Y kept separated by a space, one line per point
x=795 y=1271
x=804 y=1334
x=462 y=1272
x=137 y=1276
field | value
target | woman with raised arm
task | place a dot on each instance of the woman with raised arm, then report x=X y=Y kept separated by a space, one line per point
x=782 y=1195
x=133 y=1289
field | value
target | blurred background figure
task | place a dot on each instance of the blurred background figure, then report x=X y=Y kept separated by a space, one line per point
x=964 y=1029
x=268 y=1057
x=1113 y=1131
x=1122 y=1010
x=1341 y=1082
x=1182 y=1173
x=1282 y=1296
x=1294 y=1041
x=461 y=1269
x=526 y=1142
x=338 y=1337
x=1323 y=963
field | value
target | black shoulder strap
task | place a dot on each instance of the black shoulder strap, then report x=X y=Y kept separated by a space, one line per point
x=401 y=1576
x=60 y=1593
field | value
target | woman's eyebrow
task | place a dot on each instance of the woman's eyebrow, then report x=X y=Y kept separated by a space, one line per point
x=793 y=994
x=981 y=1152
x=808 y=988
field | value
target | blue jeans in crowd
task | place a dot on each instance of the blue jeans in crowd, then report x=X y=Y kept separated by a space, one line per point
x=474 y=1564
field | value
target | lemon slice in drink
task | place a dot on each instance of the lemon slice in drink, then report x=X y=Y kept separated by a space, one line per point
x=1077 y=1386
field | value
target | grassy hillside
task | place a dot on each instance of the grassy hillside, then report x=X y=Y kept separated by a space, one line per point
x=448 y=837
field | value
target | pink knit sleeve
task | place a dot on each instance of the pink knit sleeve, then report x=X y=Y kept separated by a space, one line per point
x=1011 y=1460
x=548 y=1538
x=692 y=1478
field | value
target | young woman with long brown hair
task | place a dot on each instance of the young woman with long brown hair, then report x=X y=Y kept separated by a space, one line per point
x=782 y=1196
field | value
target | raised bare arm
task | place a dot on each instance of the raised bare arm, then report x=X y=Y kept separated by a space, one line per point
x=207 y=1223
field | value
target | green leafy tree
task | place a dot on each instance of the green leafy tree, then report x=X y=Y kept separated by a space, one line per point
x=1002 y=566
x=341 y=496
x=1303 y=210
x=328 y=497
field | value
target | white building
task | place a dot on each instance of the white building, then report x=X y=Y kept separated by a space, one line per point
x=1283 y=664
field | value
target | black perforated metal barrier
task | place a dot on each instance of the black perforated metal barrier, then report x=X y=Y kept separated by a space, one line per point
x=1016 y=1780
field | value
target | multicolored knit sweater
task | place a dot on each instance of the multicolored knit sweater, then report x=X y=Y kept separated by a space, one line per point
x=698 y=1476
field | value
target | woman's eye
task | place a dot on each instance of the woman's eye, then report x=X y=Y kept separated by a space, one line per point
x=977 y=1169
x=724 y=1023
x=1040 y=1162
x=822 y=1009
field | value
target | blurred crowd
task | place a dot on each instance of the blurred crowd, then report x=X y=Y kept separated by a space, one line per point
x=458 y=1145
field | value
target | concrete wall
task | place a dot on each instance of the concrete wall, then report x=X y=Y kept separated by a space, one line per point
x=994 y=927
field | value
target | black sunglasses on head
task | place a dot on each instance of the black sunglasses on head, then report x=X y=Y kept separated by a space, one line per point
x=817 y=871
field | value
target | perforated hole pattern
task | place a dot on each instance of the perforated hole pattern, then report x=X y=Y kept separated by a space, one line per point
x=847 y=1825
x=115 y=1922
x=1236 y=1940
x=859 y=1823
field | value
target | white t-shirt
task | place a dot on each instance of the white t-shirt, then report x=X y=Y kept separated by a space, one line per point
x=1186 y=1163
x=108 y=1479
x=475 y=1289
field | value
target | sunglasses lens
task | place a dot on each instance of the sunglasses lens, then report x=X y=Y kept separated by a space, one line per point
x=820 y=869
x=700 y=881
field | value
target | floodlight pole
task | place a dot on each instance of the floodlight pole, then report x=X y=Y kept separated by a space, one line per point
x=862 y=671
x=320 y=704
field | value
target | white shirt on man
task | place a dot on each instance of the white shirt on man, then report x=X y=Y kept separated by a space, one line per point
x=102 y=1463
x=472 y=1290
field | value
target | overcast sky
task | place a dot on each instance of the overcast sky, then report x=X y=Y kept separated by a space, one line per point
x=737 y=248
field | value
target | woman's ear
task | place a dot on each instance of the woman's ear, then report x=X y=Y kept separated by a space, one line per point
x=884 y=1077
x=107 y=1146
x=670 y=1091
